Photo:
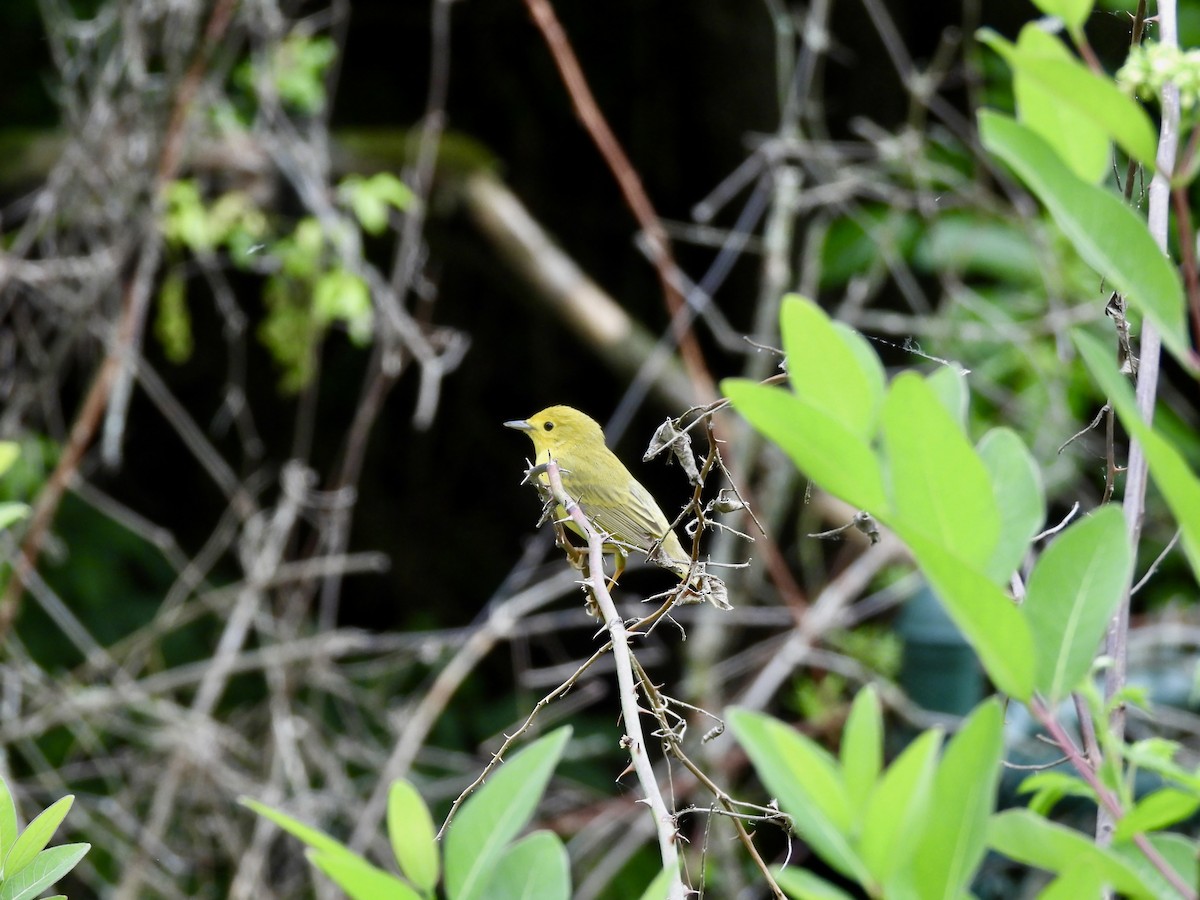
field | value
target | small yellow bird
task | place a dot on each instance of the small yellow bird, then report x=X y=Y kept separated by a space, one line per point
x=608 y=494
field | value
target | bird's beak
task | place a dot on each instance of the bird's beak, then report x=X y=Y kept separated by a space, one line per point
x=519 y=424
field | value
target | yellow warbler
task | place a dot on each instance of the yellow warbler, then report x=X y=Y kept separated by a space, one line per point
x=608 y=494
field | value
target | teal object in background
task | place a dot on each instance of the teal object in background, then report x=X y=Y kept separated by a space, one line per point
x=940 y=672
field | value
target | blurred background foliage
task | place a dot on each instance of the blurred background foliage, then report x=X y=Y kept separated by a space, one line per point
x=290 y=317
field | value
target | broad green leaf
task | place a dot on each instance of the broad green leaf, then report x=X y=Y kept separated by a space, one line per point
x=1109 y=236
x=954 y=840
x=313 y=837
x=1077 y=138
x=950 y=387
x=1017 y=488
x=1072 y=593
x=660 y=887
x=985 y=615
x=1059 y=80
x=804 y=885
x=1181 y=853
x=862 y=747
x=820 y=446
x=805 y=780
x=1156 y=811
x=1175 y=480
x=1030 y=839
x=975 y=245
x=939 y=486
x=1072 y=12
x=8 y=820
x=897 y=810
x=411 y=831
x=45 y=869
x=493 y=817
x=826 y=371
x=34 y=838
x=358 y=878
x=1073 y=883
x=534 y=868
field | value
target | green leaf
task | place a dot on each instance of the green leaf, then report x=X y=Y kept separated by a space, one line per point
x=804 y=885
x=534 y=868
x=340 y=295
x=827 y=371
x=939 y=486
x=954 y=840
x=411 y=831
x=1072 y=12
x=8 y=820
x=862 y=747
x=804 y=779
x=950 y=388
x=985 y=615
x=1179 y=485
x=1073 y=592
x=1063 y=93
x=1074 y=882
x=1050 y=787
x=45 y=869
x=10 y=452
x=313 y=837
x=490 y=819
x=660 y=887
x=358 y=878
x=1180 y=852
x=12 y=512
x=1156 y=811
x=1017 y=489
x=1032 y=840
x=820 y=446
x=897 y=809
x=1107 y=234
x=34 y=839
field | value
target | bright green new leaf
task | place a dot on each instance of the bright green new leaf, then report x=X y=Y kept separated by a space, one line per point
x=1179 y=485
x=1017 y=488
x=954 y=839
x=985 y=615
x=1156 y=811
x=534 y=868
x=1073 y=13
x=45 y=869
x=950 y=388
x=898 y=807
x=862 y=748
x=411 y=831
x=1107 y=234
x=1079 y=140
x=479 y=835
x=828 y=372
x=660 y=887
x=1058 y=84
x=821 y=447
x=1049 y=787
x=1030 y=839
x=8 y=820
x=805 y=779
x=802 y=884
x=939 y=486
x=1072 y=593
x=36 y=836
x=358 y=878
x=313 y=837
x=1074 y=882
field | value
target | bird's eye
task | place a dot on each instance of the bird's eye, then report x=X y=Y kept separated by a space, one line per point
x=549 y=426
